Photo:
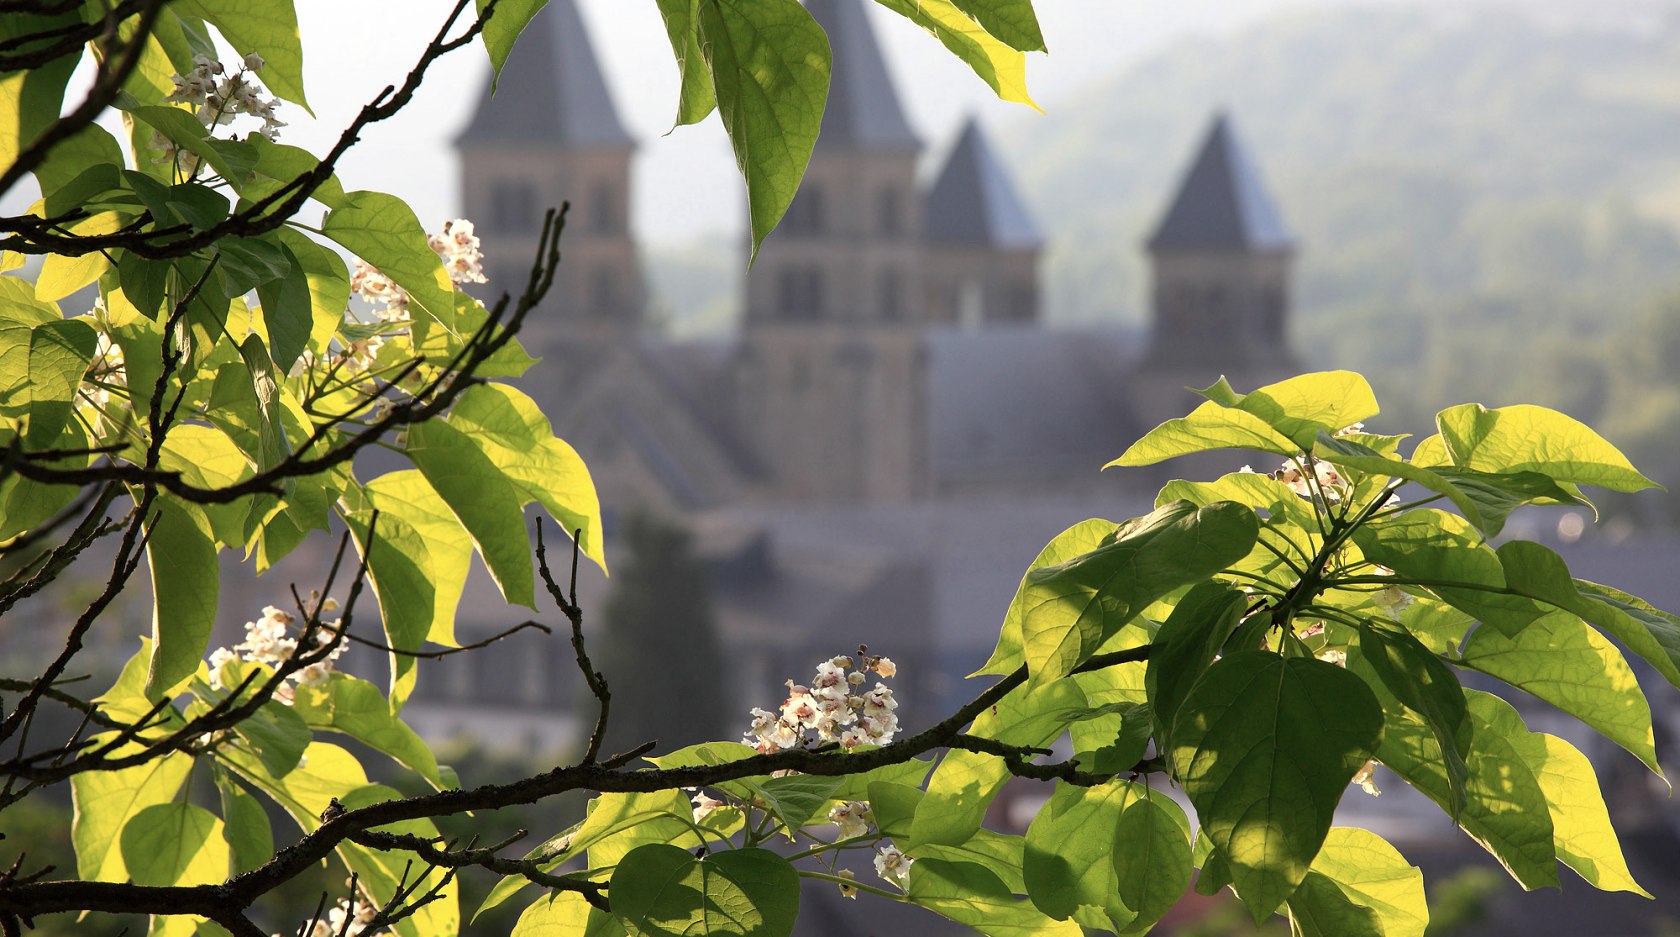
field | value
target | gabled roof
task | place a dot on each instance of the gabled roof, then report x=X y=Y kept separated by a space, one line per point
x=551 y=90
x=863 y=112
x=1222 y=203
x=972 y=200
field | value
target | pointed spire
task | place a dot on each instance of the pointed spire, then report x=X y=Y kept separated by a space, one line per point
x=863 y=112
x=1222 y=203
x=972 y=200
x=551 y=90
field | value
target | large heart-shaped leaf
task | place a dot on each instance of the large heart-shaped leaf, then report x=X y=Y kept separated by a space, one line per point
x=659 y=890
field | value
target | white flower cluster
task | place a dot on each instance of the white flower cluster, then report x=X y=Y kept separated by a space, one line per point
x=221 y=96
x=346 y=919
x=834 y=707
x=268 y=640
x=456 y=245
x=1327 y=483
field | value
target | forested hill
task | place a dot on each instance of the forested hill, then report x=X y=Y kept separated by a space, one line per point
x=1466 y=185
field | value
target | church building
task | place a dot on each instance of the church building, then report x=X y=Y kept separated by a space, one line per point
x=892 y=432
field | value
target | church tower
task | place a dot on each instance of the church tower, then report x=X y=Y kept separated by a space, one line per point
x=1220 y=260
x=982 y=245
x=831 y=382
x=1220 y=265
x=550 y=133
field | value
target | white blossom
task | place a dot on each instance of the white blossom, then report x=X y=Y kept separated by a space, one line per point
x=847 y=891
x=1365 y=780
x=704 y=805
x=852 y=817
x=893 y=866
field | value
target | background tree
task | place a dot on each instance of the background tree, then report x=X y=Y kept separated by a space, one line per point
x=659 y=638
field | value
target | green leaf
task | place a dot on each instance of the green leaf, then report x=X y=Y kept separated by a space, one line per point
x=770 y=64
x=1423 y=684
x=504 y=26
x=1559 y=659
x=1012 y=21
x=659 y=890
x=566 y=914
x=482 y=498
x=1581 y=831
x=63 y=274
x=971 y=894
x=1187 y=643
x=197 y=205
x=32 y=99
x=247 y=263
x=382 y=230
x=1536 y=571
x=1431 y=546
x=1303 y=406
x=277 y=735
x=417 y=563
x=1113 y=857
x=1359 y=886
x=1208 y=427
x=1151 y=857
x=998 y=64
x=182 y=558
x=1265 y=747
x=269 y=30
x=1076 y=541
x=245 y=827
x=360 y=711
x=513 y=433
x=1069 y=865
x=696 y=100
x=1505 y=809
x=272 y=445
x=59 y=354
x=277 y=165
x=107 y=800
x=329 y=287
x=175 y=844
x=1072 y=607
x=1529 y=438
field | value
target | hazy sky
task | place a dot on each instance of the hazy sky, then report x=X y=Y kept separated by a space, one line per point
x=686 y=184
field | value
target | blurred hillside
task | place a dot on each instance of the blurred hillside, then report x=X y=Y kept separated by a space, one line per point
x=1487 y=202
x=1486 y=197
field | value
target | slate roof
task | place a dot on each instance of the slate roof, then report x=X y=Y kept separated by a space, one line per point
x=972 y=200
x=1222 y=203
x=1023 y=403
x=551 y=90
x=863 y=112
